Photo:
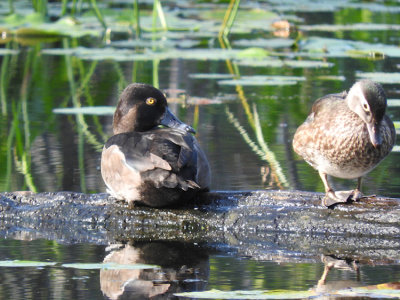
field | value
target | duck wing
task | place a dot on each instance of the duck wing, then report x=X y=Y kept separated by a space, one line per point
x=181 y=152
x=323 y=102
x=162 y=157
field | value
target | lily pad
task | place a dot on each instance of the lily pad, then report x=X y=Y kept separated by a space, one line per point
x=4 y=51
x=110 y=53
x=374 y=7
x=273 y=294
x=263 y=80
x=255 y=53
x=329 y=47
x=393 y=102
x=276 y=63
x=34 y=25
x=266 y=62
x=101 y=54
x=109 y=266
x=247 y=19
x=350 y=27
x=384 y=290
x=331 y=77
x=210 y=76
x=86 y=110
x=15 y=20
x=160 y=43
x=382 y=77
x=265 y=43
x=25 y=263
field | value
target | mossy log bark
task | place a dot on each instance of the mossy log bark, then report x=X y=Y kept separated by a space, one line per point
x=279 y=225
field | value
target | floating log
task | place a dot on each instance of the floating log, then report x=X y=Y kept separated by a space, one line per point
x=275 y=225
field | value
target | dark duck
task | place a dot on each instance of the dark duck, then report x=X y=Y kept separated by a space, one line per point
x=145 y=163
x=346 y=135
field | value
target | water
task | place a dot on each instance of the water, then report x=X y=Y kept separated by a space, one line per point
x=181 y=267
x=44 y=151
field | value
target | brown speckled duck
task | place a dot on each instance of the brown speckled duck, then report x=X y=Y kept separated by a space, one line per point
x=346 y=135
x=143 y=163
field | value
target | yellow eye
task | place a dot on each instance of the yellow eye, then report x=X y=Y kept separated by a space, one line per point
x=150 y=101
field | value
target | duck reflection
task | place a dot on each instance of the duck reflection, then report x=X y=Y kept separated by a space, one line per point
x=183 y=267
x=331 y=262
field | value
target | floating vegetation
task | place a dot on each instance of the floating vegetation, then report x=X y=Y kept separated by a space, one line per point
x=245 y=20
x=33 y=25
x=331 y=78
x=278 y=63
x=393 y=102
x=350 y=27
x=4 y=51
x=382 y=77
x=25 y=263
x=192 y=100
x=330 y=6
x=86 y=110
x=110 y=53
x=109 y=266
x=259 y=80
x=268 y=294
x=210 y=76
x=255 y=52
x=151 y=43
x=385 y=290
x=329 y=47
x=265 y=43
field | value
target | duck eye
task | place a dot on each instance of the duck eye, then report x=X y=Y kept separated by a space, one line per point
x=150 y=101
x=366 y=107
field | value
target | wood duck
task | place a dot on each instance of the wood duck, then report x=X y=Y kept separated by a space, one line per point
x=346 y=135
x=144 y=163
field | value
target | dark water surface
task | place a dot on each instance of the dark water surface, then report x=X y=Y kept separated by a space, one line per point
x=41 y=150
x=180 y=267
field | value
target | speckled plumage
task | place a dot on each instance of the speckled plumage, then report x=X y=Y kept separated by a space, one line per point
x=335 y=140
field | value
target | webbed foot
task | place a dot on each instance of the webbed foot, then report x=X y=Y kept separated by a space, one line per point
x=331 y=198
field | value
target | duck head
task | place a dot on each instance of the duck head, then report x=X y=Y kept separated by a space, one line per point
x=368 y=100
x=142 y=107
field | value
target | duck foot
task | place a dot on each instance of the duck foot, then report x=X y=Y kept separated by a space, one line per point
x=331 y=198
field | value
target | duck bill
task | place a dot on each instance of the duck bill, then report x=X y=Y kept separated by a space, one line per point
x=374 y=134
x=171 y=121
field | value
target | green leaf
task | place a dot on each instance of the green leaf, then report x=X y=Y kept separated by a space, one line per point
x=272 y=294
x=86 y=110
x=260 y=80
x=278 y=63
x=350 y=27
x=382 y=77
x=210 y=76
x=5 y=51
x=253 y=53
x=393 y=102
x=15 y=20
x=109 y=266
x=265 y=43
x=25 y=263
x=329 y=47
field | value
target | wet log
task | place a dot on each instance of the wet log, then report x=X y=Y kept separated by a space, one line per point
x=277 y=225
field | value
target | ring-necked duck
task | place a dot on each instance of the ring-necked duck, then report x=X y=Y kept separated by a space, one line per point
x=147 y=164
x=346 y=135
